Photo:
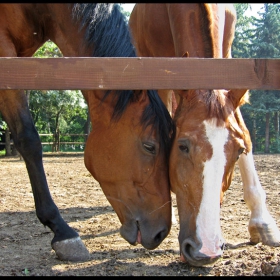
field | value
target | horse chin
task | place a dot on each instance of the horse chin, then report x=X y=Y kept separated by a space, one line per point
x=130 y=232
x=199 y=262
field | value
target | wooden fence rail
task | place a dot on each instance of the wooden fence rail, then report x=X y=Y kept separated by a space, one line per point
x=138 y=73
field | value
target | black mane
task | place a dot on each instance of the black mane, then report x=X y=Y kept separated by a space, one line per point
x=107 y=33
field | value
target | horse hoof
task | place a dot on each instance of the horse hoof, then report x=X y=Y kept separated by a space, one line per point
x=72 y=250
x=268 y=234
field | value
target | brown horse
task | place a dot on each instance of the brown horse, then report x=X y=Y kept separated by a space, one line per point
x=128 y=147
x=210 y=132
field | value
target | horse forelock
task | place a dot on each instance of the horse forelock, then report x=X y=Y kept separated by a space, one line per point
x=159 y=118
x=155 y=114
x=210 y=103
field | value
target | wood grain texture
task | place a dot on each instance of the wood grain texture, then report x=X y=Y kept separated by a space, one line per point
x=139 y=73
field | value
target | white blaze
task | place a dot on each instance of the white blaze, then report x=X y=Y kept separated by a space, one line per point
x=208 y=219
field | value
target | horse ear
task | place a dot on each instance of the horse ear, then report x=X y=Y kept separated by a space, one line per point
x=238 y=96
x=186 y=54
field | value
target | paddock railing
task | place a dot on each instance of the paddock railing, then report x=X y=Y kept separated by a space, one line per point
x=57 y=142
x=73 y=73
x=138 y=73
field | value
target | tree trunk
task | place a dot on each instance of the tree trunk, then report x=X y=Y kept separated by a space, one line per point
x=87 y=126
x=276 y=126
x=8 y=142
x=267 y=117
x=254 y=142
x=9 y=145
x=27 y=93
x=56 y=143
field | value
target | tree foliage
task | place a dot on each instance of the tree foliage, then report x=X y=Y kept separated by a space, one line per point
x=259 y=37
x=126 y=13
x=53 y=111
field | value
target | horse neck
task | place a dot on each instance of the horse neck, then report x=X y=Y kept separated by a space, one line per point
x=65 y=32
x=91 y=29
x=202 y=26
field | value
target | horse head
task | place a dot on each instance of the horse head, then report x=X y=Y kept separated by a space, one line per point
x=207 y=144
x=128 y=156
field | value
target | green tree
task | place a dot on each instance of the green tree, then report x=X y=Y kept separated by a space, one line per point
x=58 y=111
x=240 y=43
x=49 y=49
x=258 y=37
x=126 y=13
x=265 y=43
x=265 y=33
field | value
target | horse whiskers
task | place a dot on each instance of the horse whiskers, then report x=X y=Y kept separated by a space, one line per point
x=160 y=207
x=119 y=200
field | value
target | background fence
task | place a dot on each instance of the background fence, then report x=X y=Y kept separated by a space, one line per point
x=55 y=142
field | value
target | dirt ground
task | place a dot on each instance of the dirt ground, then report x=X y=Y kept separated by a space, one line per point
x=25 y=247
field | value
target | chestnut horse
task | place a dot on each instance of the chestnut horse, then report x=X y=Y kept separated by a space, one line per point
x=128 y=147
x=211 y=135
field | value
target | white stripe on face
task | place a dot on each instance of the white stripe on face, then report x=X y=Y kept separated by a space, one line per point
x=208 y=219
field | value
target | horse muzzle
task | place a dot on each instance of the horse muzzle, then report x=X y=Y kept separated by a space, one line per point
x=147 y=235
x=196 y=255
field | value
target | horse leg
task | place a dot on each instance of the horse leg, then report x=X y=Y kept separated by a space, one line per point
x=262 y=227
x=66 y=242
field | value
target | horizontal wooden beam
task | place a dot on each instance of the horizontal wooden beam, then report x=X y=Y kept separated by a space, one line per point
x=138 y=73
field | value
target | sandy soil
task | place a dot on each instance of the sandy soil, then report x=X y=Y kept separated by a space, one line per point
x=25 y=247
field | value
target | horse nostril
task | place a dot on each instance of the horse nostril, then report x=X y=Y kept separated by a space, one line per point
x=160 y=236
x=187 y=245
x=191 y=253
x=187 y=249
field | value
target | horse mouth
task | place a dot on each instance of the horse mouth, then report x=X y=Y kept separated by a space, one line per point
x=138 y=240
x=131 y=233
x=149 y=239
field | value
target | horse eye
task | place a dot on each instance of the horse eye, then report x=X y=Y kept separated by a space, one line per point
x=240 y=151
x=184 y=148
x=150 y=148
